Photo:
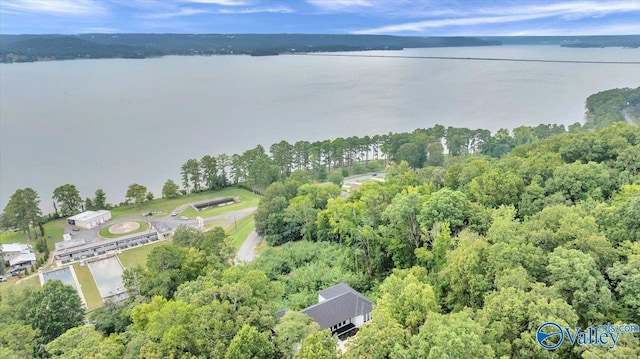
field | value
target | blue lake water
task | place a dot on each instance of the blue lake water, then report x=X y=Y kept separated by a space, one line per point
x=113 y=122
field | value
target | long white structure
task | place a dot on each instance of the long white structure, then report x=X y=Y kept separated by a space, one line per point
x=77 y=250
x=89 y=219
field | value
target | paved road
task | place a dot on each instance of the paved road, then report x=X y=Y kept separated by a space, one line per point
x=227 y=218
x=230 y=217
x=246 y=253
x=363 y=177
x=349 y=181
x=628 y=118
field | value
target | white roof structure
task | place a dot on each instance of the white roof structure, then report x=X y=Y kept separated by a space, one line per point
x=88 y=215
x=69 y=244
x=24 y=257
x=14 y=248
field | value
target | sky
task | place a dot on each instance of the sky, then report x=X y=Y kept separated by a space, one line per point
x=391 y=17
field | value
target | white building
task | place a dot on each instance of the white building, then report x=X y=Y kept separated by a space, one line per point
x=17 y=255
x=89 y=219
x=13 y=250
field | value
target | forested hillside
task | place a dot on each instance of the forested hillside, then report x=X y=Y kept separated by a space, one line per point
x=548 y=232
x=432 y=150
x=607 y=107
x=466 y=252
x=33 y=47
x=28 y=48
x=627 y=41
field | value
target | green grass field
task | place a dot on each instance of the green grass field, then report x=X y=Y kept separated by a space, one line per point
x=167 y=205
x=245 y=226
x=53 y=230
x=13 y=237
x=33 y=282
x=211 y=225
x=138 y=255
x=104 y=232
x=88 y=287
x=247 y=200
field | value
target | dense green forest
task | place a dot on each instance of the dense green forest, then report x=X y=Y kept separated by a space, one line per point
x=628 y=41
x=27 y=48
x=429 y=148
x=432 y=150
x=616 y=105
x=466 y=252
x=68 y=48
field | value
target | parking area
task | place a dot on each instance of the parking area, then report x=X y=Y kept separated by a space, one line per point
x=90 y=238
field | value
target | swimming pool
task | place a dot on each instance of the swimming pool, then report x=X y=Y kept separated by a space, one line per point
x=64 y=275
x=108 y=276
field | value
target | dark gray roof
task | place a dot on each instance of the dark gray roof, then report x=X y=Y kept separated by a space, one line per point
x=282 y=312
x=339 y=308
x=336 y=290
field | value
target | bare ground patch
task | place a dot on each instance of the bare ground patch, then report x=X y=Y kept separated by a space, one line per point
x=124 y=227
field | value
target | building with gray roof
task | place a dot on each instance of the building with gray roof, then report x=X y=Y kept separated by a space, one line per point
x=340 y=308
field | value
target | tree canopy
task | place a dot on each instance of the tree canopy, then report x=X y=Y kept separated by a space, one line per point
x=68 y=198
x=22 y=211
x=136 y=194
x=464 y=257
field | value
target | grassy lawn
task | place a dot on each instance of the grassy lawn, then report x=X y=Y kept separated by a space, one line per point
x=167 y=205
x=33 y=282
x=88 y=287
x=138 y=255
x=211 y=225
x=55 y=229
x=245 y=226
x=13 y=237
x=104 y=232
x=52 y=229
x=247 y=200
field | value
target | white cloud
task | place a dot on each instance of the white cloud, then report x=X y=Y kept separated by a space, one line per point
x=569 y=9
x=340 y=5
x=167 y=10
x=419 y=26
x=175 y=13
x=622 y=29
x=219 y=2
x=58 y=7
x=565 y=10
x=278 y=9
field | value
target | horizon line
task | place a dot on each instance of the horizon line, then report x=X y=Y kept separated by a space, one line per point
x=300 y=33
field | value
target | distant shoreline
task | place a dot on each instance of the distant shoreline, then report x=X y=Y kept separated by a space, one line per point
x=482 y=59
x=32 y=48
